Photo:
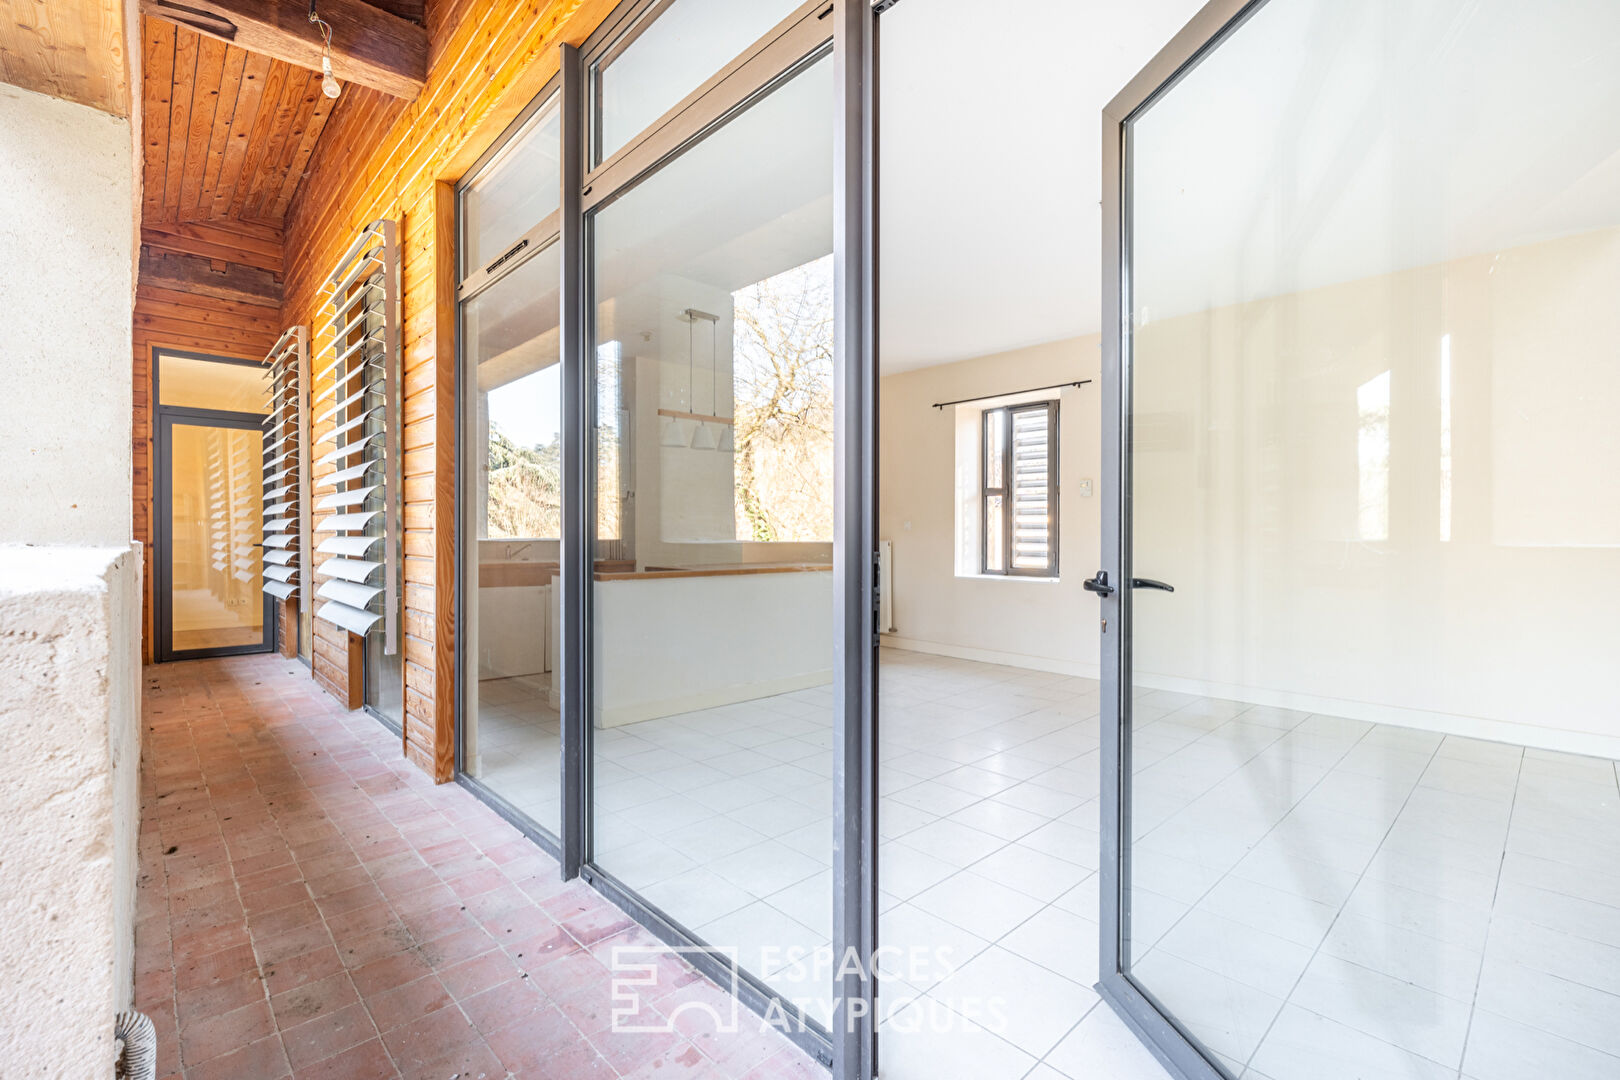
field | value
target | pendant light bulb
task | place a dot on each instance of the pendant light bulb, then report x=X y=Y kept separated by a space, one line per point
x=329 y=84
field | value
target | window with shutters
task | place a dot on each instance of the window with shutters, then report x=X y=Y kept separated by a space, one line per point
x=1019 y=490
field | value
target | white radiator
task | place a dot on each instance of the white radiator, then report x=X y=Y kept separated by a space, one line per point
x=885 y=587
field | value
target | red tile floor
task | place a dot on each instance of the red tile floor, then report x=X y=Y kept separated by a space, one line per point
x=310 y=905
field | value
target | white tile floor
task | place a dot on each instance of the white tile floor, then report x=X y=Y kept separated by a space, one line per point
x=1330 y=898
x=518 y=746
x=1314 y=897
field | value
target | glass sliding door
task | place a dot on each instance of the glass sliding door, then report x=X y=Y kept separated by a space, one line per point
x=713 y=710
x=1368 y=821
x=512 y=488
x=209 y=508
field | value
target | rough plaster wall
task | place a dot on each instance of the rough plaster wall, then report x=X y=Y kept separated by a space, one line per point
x=66 y=202
x=69 y=650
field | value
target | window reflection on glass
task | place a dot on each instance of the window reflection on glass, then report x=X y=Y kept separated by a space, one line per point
x=1372 y=458
x=672 y=51
x=514 y=192
x=509 y=726
x=1445 y=438
x=783 y=353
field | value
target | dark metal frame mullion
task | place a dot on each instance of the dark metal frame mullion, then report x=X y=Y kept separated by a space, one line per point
x=1177 y=1050
x=577 y=551
x=855 y=667
x=988 y=490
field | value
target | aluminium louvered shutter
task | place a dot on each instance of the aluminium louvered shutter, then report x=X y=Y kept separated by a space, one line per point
x=283 y=570
x=356 y=496
x=1033 y=482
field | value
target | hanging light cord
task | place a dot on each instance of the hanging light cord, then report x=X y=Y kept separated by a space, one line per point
x=329 y=84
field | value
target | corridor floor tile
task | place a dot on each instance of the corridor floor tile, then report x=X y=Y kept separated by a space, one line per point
x=311 y=906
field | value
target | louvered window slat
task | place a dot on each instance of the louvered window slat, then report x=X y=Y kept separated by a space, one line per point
x=344 y=476
x=284 y=434
x=357 y=562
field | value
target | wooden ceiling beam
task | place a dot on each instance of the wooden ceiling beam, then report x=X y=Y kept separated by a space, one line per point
x=410 y=10
x=370 y=46
x=196 y=274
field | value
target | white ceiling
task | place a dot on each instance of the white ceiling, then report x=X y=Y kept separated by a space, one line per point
x=1329 y=142
x=1326 y=142
x=991 y=133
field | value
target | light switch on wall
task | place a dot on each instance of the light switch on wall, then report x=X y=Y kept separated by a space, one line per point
x=1085 y=489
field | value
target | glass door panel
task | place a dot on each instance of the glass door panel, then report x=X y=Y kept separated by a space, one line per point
x=713 y=706
x=1370 y=801
x=214 y=525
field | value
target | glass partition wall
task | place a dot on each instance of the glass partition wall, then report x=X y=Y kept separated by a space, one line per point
x=1367 y=820
x=511 y=477
x=650 y=373
x=712 y=700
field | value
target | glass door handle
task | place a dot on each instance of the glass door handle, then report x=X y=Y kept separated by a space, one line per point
x=1149 y=583
x=1099 y=584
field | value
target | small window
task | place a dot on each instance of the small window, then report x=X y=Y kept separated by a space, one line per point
x=1019 y=493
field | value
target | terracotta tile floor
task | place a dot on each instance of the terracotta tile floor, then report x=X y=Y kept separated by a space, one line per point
x=312 y=906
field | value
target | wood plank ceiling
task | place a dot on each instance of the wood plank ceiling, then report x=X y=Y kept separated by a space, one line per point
x=70 y=49
x=227 y=133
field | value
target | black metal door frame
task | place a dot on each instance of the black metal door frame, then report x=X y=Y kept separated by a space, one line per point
x=163 y=541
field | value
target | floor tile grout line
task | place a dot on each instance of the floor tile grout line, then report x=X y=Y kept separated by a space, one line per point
x=1339 y=913
x=1485 y=945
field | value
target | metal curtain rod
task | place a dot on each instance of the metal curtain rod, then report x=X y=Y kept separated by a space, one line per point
x=1009 y=393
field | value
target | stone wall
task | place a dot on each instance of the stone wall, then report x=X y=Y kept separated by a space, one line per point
x=69 y=697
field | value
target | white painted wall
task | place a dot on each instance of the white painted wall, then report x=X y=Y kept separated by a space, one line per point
x=1251 y=497
x=1051 y=626
x=69 y=634
x=1300 y=583
x=70 y=585
x=66 y=287
x=667 y=645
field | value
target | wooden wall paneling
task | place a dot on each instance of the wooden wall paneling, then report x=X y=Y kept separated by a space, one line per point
x=241 y=242
x=259 y=137
x=250 y=93
x=298 y=97
x=287 y=627
x=308 y=138
x=70 y=49
x=156 y=97
x=185 y=78
x=378 y=157
x=219 y=137
x=204 y=107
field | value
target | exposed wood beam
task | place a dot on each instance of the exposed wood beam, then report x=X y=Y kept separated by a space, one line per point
x=409 y=10
x=370 y=47
x=224 y=241
x=195 y=274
